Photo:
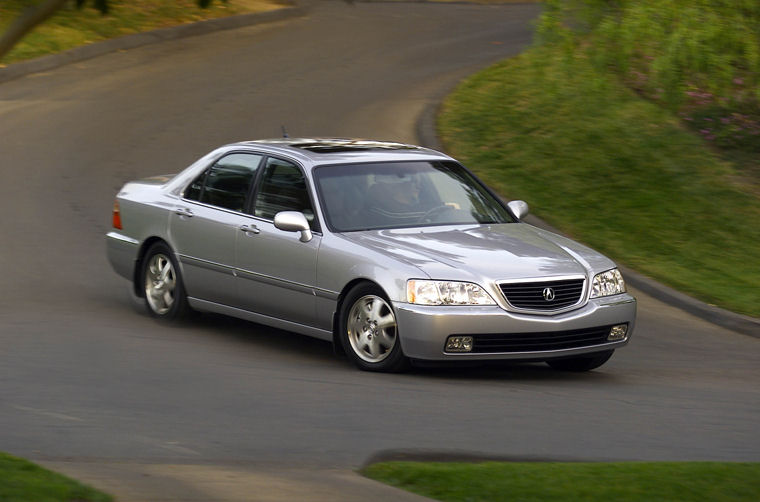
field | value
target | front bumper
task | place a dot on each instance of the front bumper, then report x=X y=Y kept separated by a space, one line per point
x=423 y=330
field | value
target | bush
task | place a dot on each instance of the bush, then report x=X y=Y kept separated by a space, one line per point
x=699 y=58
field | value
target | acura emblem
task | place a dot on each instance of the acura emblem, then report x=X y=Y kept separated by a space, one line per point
x=548 y=294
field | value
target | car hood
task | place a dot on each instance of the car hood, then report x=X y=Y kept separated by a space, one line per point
x=484 y=252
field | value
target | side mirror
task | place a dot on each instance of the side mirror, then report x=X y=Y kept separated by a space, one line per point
x=519 y=208
x=293 y=221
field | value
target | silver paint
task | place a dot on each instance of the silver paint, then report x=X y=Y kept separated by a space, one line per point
x=283 y=274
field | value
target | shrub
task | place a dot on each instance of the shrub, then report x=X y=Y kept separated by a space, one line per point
x=699 y=58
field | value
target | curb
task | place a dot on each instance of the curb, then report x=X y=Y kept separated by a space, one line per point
x=743 y=324
x=44 y=63
x=462 y=456
x=739 y=323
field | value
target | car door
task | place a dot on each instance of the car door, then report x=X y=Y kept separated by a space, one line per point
x=206 y=222
x=276 y=271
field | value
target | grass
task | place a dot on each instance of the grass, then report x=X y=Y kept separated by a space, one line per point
x=697 y=58
x=570 y=482
x=23 y=481
x=71 y=27
x=613 y=170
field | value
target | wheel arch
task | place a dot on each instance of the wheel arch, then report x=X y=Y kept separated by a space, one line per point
x=337 y=342
x=137 y=285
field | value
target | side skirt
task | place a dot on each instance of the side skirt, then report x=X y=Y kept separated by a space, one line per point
x=206 y=306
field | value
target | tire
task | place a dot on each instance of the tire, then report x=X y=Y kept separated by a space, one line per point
x=581 y=363
x=162 y=286
x=368 y=330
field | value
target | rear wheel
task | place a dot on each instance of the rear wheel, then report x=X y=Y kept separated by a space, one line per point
x=581 y=363
x=162 y=284
x=369 y=332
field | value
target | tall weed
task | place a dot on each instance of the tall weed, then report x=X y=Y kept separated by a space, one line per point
x=699 y=58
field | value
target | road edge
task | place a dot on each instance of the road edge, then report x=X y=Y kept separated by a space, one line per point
x=82 y=53
x=463 y=456
x=428 y=136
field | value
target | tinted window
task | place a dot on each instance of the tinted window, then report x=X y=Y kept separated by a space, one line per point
x=227 y=182
x=405 y=194
x=282 y=188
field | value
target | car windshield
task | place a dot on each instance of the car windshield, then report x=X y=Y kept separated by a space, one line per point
x=404 y=194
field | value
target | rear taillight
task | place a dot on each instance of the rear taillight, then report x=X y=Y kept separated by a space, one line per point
x=116 y=215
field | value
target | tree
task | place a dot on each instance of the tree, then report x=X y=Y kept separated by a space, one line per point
x=37 y=12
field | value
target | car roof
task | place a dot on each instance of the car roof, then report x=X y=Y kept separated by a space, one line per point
x=322 y=151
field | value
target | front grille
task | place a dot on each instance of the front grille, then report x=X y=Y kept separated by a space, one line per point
x=531 y=295
x=535 y=342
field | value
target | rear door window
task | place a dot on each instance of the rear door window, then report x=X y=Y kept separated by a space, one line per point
x=227 y=183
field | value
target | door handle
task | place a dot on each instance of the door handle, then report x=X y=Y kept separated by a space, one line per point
x=183 y=211
x=250 y=229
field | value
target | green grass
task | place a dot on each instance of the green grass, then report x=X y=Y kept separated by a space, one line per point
x=611 y=169
x=23 y=481
x=569 y=482
x=71 y=27
x=698 y=58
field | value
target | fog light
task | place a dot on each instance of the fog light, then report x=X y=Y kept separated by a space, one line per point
x=618 y=332
x=459 y=344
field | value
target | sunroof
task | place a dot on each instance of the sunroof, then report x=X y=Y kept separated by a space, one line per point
x=348 y=145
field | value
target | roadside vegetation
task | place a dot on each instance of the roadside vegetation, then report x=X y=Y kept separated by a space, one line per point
x=569 y=482
x=633 y=126
x=23 y=481
x=72 y=27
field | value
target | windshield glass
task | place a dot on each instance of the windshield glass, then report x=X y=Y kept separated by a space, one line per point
x=404 y=194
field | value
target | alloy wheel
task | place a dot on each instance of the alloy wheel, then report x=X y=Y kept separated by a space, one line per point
x=371 y=329
x=160 y=284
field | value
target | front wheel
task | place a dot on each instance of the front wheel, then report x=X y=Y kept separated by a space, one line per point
x=369 y=332
x=581 y=363
x=162 y=284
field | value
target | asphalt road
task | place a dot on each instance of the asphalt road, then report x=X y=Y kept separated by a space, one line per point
x=227 y=410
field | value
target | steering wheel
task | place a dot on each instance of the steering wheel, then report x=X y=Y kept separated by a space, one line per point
x=428 y=216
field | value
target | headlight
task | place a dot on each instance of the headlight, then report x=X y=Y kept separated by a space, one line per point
x=607 y=283
x=446 y=293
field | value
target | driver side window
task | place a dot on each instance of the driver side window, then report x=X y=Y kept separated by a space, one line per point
x=283 y=188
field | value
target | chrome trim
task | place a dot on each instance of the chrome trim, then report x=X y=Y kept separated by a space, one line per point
x=123 y=238
x=208 y=265
x=584 y=298
x=327 y=294
x=238 y=213
x=546 y=278
x=615 y=303
x=179 y=191
x=273 y=281
x=253 y=276
x=210 y=206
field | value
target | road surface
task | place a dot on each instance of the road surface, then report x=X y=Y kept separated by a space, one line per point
x=223 y=409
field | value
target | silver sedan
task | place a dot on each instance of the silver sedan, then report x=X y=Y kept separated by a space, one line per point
x=393 y=252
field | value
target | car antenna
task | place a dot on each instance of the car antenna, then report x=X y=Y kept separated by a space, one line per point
x=284 y=132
